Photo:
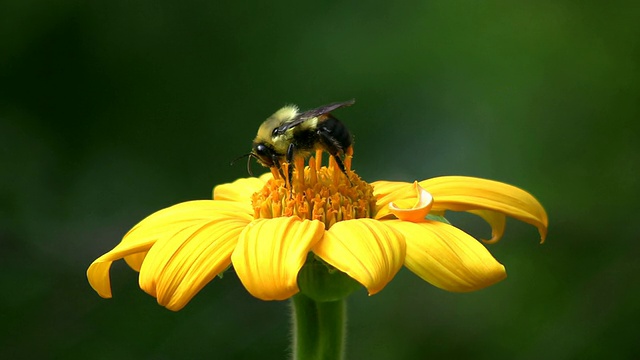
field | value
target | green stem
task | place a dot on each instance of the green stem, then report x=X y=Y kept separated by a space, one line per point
x=318 y=328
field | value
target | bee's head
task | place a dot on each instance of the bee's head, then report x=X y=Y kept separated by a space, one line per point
x=264 y=153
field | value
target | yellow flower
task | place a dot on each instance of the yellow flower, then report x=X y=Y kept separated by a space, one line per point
x=368 y=231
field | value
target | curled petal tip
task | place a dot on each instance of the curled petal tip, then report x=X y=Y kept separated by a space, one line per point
x=486 y=198
x=419 y=210
x=543 y=234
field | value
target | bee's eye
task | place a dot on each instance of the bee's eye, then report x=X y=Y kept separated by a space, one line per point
x=275 y=132
x=263 y=154
x=262 y=150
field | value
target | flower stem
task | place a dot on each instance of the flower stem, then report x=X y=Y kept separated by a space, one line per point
x=318 y=328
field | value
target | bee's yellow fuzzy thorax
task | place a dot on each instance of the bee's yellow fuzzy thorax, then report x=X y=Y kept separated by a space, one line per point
x=280 y=117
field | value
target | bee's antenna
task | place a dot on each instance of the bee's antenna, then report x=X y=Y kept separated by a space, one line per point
x=249 y=156
x=238 y=158
x=249 y=163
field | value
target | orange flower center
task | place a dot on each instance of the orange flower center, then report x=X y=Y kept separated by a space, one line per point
x=317 y=193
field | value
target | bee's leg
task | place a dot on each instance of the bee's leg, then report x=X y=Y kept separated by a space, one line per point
x=281 y=173
x=333 y=147
x=276 y=164
x=338 y=160
x=290 y=151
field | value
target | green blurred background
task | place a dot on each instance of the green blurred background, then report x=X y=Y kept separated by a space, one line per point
x=112 y=110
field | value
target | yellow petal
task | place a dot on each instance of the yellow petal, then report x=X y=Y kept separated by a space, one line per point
x=365 y=249
x=161 y=224
x=418 y=210
x=266 y=176
x=447 y=257
x=497 y=221
x=383 y=188
x=135 y=260
x=98 y=272
x=271 y=252
x=401 y=193
x=239 y=190
x=178 y=266
x=462 y=193
x=166 y=220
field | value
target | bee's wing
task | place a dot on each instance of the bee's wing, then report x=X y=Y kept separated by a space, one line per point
x=323 y=110
x=309 y=114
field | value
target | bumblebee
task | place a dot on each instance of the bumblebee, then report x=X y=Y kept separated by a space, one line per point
x=289 y=134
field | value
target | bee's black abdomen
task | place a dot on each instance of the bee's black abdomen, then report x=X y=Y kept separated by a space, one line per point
x=305 y=140
x=335 y=136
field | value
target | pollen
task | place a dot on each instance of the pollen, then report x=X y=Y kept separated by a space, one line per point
x=317 y=193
